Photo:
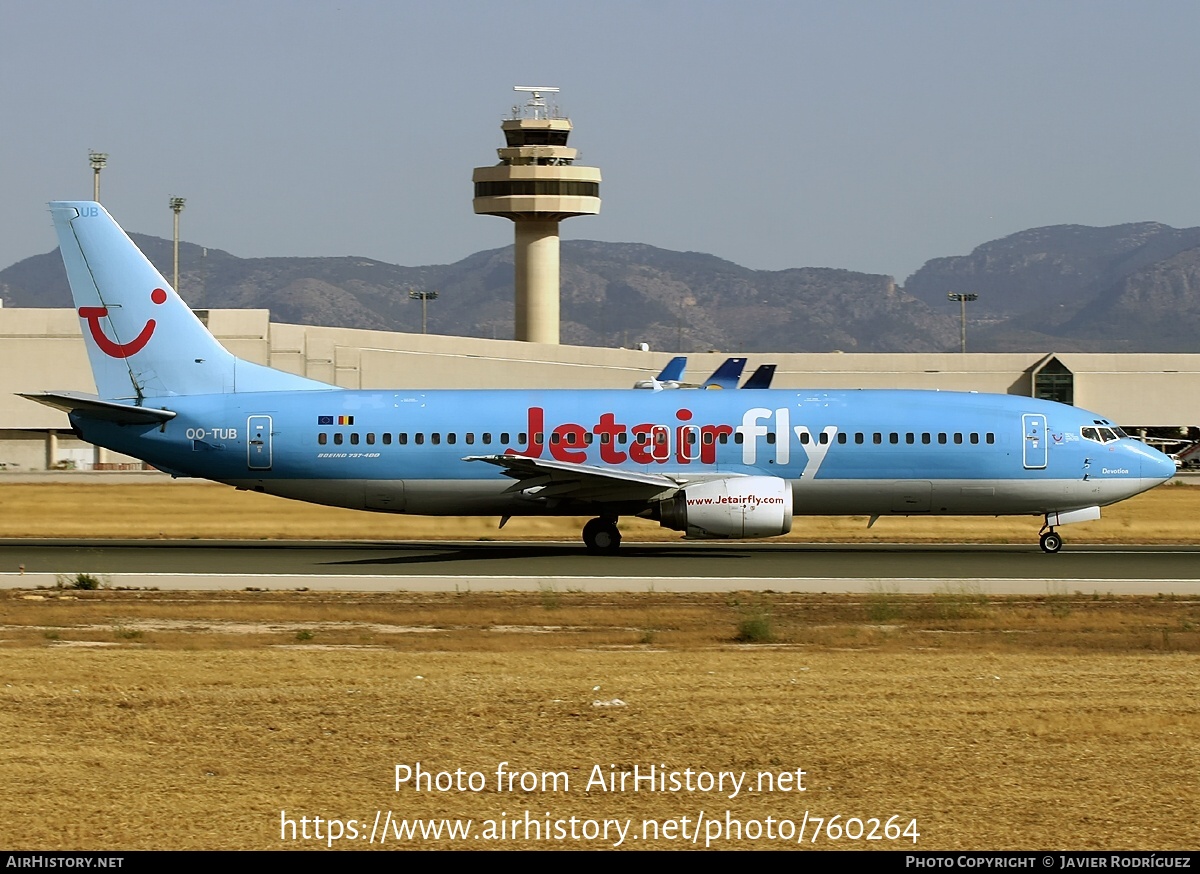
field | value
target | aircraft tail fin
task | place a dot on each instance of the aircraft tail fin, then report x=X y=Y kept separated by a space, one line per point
x=674 y=370
x=761 y=378
x=142 y=339
x=727 y=375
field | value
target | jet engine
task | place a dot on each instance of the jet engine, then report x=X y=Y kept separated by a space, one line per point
x=742 y=506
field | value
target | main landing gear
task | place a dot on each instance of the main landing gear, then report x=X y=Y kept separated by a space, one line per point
x=601 y=536
x=1051 y=541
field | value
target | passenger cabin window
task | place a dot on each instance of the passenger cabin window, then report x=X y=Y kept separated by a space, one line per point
x=322 y=438
x=337 y=438
x=387 y=439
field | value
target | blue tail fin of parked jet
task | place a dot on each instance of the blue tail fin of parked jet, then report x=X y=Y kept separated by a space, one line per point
x=674 y=370
x=727 y=375
x=142 y=340
x=761 y=378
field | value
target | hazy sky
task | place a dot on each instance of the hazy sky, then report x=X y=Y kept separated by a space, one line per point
x=865 y=135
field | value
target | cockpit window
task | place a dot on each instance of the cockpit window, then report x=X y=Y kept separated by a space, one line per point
x=1101 y=435
x=1120 y=432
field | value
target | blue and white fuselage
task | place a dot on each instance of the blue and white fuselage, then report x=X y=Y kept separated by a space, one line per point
x=710 y=463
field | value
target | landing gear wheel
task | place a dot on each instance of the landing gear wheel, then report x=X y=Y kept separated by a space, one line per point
x=1051 y=542
x=601 y=536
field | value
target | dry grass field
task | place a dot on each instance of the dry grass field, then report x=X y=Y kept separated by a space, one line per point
x=191 y=509
x=142 y=719
x=165 y=720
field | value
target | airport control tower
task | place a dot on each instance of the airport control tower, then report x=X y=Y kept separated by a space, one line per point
x=537 y=184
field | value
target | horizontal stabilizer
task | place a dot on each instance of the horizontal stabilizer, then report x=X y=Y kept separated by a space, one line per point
x=94 y=407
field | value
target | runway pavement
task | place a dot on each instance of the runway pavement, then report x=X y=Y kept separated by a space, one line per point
x=709 y=566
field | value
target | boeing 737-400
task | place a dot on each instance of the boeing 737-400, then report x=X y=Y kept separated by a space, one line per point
x=712 y=464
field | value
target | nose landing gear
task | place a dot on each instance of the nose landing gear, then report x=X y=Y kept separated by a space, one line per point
x=1051 y=541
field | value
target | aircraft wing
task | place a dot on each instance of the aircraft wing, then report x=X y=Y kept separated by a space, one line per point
x=583 y=482
x=110 y=411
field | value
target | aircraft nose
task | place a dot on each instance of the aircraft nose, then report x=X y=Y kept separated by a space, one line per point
x=1157 y=465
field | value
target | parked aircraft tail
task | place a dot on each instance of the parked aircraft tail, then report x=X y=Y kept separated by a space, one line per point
x=142 y=340
x=761 y=378
x=727 y=375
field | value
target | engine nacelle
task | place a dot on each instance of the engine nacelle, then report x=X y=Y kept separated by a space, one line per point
x=741 y=506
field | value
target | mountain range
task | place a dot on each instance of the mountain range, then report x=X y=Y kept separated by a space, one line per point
x=1128 y=288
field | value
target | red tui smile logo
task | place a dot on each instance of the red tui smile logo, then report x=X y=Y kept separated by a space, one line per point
x=93 y=315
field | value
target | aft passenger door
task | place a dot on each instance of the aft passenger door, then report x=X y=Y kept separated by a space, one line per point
x=1033 y=451
x=258 y=443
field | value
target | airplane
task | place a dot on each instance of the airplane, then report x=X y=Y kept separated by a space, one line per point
x=712 y=464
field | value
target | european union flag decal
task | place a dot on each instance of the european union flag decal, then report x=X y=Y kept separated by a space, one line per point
x=324 y=420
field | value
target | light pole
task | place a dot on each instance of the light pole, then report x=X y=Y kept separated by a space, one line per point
x=962 y=304
x=424 y=297
x=176 y=204
x=98 y=160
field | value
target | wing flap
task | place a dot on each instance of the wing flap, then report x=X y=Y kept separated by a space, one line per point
x=547 y=478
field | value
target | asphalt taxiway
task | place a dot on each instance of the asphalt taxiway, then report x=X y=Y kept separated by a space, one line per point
x=533 y=566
